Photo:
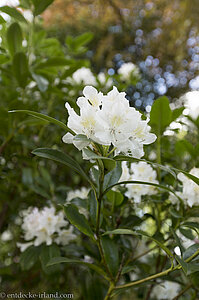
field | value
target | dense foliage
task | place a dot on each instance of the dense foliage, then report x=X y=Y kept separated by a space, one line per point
x=102 y=202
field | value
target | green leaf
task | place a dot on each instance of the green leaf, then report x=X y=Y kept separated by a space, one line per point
x=4 y=59
x=183 y=264
x=142 y=183
x=176 y=113
x=83 y=39
x=92 y=206
x=120 y=231
x=190 y=251
x=2 y=21
x=161 y=115
x=14 y=13
x=175 y=213
x=40 y=6
x=192 y=225
x=43 y=117
x=59 y=260
x=162 y=246
x=54 y=62
x=47 y=253
x=20 y=68
x=111 y=254
x=187 y=233
x=78 y=220
x=14 y=38
x=41 y=81
x=29 y=257
x=132 y=159
x=62 y=158
x=115 y=197
x=170 y=170
x=178 y=242
x=113 y=176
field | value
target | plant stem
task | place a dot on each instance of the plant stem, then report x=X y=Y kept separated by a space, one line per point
x=183 y=291
x=111 y=288
x=178 y=267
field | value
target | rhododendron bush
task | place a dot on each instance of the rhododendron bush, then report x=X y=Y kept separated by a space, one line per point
x=98 y=199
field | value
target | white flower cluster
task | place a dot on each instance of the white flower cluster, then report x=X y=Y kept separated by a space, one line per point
x=6 y=236
x=127 y=70
x=190 y=191
x=140 y=171
x=86 y=77
x=165 y=290
x=45 y=226
x=108 y=120
x=81 y=193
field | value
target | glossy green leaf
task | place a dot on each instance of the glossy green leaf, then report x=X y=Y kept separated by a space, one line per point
x=47 y=253
x=183 y=264
x=162 y=246
x=20 y=68
x=78 y=220
x=29 y=257
x=115 y=197
x=14 y=38
x=111 y=254
x=43 y=117
x=40 y=6
x=161 y=115
x=14 y=13
x=59 y=260
x=178 y=242
x=120 y=231
x=4 y=59
x=190 y=251
x=113 y=176
x=170 y=170
x=41 y=81
x=62 y=158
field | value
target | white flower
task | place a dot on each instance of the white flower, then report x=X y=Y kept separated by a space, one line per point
x=192 y=103
x=43 y=226
x=109 y=120
x=84 y=76
x=127 y=69
x=190 y=192
x=65 y=236
x=104 y=81
x=13 y=3
x=79 y=193
x=140 y=171
x=165 y=290
x=24 y=246
x=6 y=236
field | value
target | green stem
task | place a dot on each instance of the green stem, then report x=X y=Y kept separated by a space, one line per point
x=163 y=273
x=111 y=288
x=159 y=156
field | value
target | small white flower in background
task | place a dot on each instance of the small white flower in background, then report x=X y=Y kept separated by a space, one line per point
x=13 y=3
x=79 y=193
x=84 y=76
x=45 y=226
x=140 y=171
x=127 y=70
x=108 y=120
x=104 y=81
x=165 y=290
x=6 y=236
x=191 y=100
x=190 y=191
